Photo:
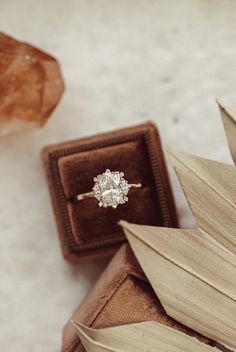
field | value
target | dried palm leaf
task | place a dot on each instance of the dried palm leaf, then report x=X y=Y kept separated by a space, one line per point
x=210 y=189
x=148 y=337
x=229 y=121
x=193 y=276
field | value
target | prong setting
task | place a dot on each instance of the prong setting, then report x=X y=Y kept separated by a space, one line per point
x=110 y=189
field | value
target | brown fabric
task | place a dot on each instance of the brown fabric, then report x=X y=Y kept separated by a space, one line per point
x=121 y=296
x=85 y=229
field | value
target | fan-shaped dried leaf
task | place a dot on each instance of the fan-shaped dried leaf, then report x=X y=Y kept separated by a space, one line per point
x=148 y=337
x=229 y=121
x=193 y=276
x=210 y=189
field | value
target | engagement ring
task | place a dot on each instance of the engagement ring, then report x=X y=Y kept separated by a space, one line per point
x=110 y=189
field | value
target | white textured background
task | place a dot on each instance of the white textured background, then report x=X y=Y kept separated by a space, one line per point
x=124 y=62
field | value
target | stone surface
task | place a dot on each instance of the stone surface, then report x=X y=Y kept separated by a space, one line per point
x=31 y=85
x=124 y=62
x=111 y=189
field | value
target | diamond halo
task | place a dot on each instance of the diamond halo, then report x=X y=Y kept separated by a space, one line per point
x=111 y=189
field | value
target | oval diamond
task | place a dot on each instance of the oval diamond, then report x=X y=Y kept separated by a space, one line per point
x=111 y=189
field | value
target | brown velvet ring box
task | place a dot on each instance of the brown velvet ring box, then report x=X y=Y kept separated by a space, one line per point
x=85 y=230
x=122 y=295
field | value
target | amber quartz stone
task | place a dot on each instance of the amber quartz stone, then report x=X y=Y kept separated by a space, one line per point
x=86 y=230
x=31 y=85
x=122 y=295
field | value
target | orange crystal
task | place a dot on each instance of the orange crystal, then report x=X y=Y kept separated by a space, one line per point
x=31 y=85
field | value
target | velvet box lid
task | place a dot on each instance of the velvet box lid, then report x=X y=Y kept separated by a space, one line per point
x=85 y=230
x=121 y=295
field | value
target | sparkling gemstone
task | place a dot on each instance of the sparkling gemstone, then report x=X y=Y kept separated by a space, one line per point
x=31 y=85
x=110 y=189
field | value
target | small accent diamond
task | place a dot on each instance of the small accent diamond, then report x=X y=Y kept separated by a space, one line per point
x=111 y=189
